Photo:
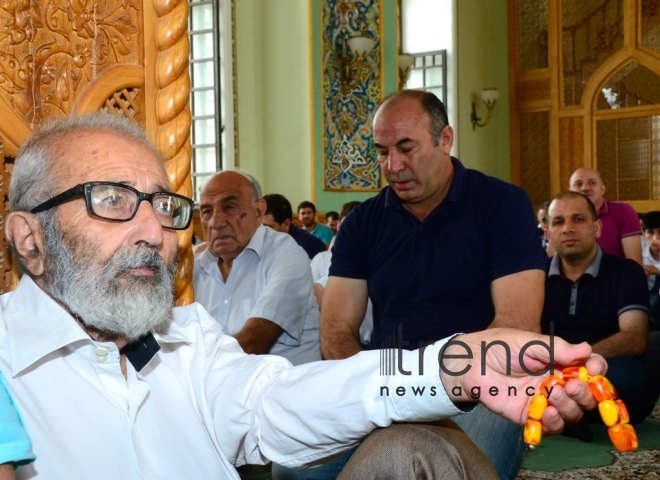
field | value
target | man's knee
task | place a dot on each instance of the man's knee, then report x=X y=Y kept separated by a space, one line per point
x=417 y=451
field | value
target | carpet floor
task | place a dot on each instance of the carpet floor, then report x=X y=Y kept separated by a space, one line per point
x=562 y=458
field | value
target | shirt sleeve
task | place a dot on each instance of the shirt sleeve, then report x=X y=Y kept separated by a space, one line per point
x=513 y=236
x=322 y=408
x=261 y=408
x=349 y=259
x=287 y=292
x=628 y=221
x=632 y=290
x=15 y=445
x=326 y=234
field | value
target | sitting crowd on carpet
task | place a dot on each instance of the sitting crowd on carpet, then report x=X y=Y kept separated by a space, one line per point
x=278 y=367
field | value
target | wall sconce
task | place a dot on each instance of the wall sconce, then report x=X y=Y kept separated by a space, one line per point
x=353 y=61
x=405 y=64
x=489 y=96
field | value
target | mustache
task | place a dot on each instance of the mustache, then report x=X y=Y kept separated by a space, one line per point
x=142 y=257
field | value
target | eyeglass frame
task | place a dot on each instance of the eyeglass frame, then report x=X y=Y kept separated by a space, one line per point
x=85 y=189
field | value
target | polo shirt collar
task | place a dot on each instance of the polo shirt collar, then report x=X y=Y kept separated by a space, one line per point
x=604 y=208
x=453 y=194
x=592 y=270
x=38 y=326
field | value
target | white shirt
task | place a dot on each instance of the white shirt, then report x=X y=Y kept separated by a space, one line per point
x=647 y=259
x=198 y=407
x=270 y=279
x=321 y=265
x=320 y=270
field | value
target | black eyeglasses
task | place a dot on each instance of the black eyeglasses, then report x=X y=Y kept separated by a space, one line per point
x=118 y=202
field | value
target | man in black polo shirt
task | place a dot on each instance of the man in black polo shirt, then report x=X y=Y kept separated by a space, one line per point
x=595 y=297
x=442 y=249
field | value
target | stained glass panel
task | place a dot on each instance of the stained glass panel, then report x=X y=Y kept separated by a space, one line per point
x=532 y=34
x=633 y=85
x=591 y=32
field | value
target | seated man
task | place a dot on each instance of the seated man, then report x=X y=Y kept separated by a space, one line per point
x=113 y=382
x=651 y=256
x=279 y=217
x=620 y=231
x=332 y=221
x=307 y=215
x=254 y=281
x=595 y=297
x=442 y=249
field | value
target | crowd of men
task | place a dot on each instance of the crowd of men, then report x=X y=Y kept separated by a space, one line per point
x=111 y=381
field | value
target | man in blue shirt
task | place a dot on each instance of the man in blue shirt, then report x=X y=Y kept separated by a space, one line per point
x=307 y=215
x=279 y=217
x=442 y=249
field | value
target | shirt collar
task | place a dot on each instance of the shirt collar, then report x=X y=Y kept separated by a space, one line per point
x=453 y=194
x=604 y=208
x=209 y=262
x=37 y=326
x=592 y=269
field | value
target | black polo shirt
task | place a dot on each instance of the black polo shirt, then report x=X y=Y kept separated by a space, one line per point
x=589 y=309
x=433 y=278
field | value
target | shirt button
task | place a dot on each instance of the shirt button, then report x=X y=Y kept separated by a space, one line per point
x=226 y=302
x=101 y=354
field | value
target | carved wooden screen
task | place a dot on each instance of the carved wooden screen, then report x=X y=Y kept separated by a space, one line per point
x=591 y=70
x=123 y=57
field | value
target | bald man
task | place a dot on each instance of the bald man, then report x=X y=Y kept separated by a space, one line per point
x=621 y=231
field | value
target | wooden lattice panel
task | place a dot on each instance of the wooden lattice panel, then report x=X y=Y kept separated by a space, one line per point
x=535 y=156
x=126 y=102
x=571 y=151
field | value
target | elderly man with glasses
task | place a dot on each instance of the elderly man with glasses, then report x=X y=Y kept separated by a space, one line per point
x=113 y=382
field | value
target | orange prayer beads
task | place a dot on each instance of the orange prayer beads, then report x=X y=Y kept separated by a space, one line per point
x=612 y=411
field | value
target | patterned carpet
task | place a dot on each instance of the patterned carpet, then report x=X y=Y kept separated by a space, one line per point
x=640 y=465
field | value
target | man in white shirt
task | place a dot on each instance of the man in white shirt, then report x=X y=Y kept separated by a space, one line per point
x=113 y=382
x=254 y=281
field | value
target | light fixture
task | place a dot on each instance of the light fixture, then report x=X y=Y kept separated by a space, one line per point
x=405 y=64
x=353 y=61
x=489 y=96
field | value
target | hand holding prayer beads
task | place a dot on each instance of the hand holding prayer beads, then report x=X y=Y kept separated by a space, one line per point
x=612 y=411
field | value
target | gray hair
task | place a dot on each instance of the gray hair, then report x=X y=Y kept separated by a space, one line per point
x=32 y=181
x=253 y=183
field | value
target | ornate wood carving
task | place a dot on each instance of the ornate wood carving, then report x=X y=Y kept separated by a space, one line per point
x=130 y=58
x=53 y=50
x=173 y=117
